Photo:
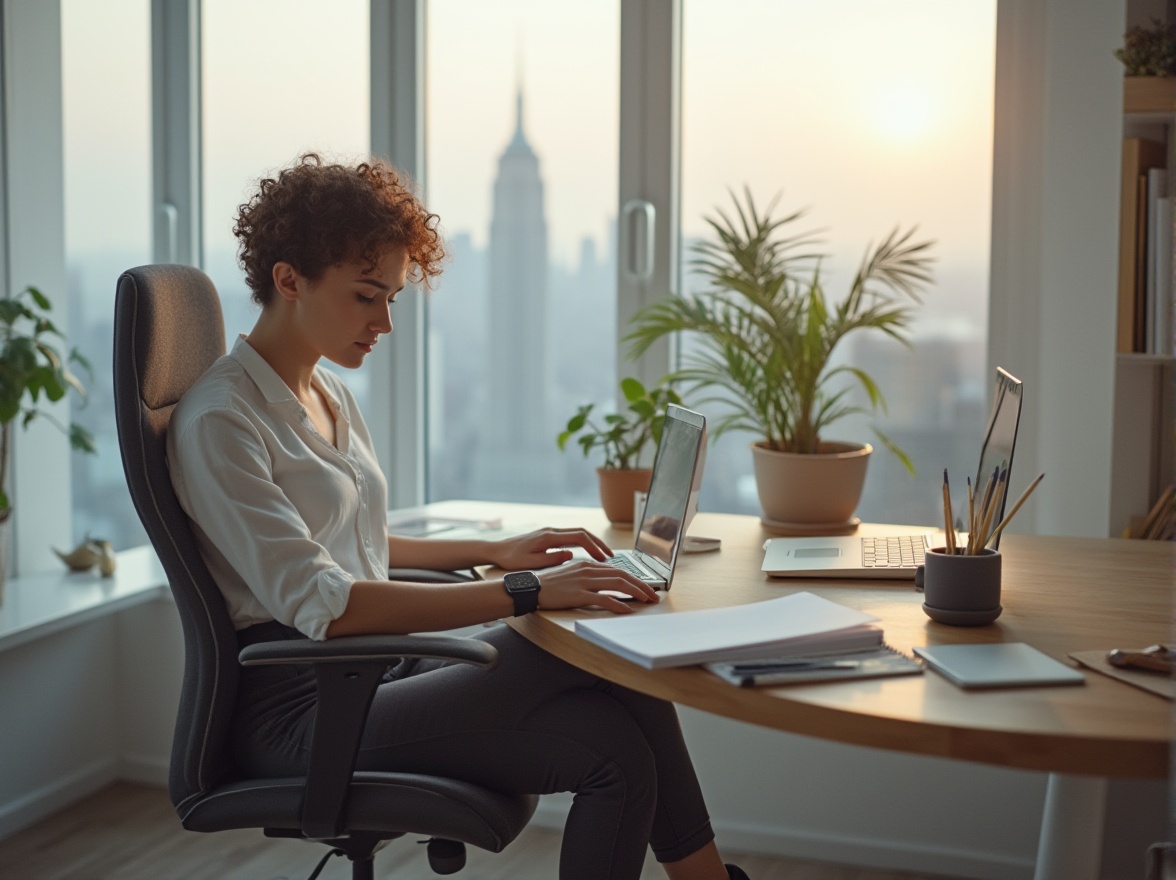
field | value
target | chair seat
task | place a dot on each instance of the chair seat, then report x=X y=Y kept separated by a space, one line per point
x=376 y=802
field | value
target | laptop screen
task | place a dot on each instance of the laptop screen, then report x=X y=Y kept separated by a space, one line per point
x=670 y=486
x=1000 y=437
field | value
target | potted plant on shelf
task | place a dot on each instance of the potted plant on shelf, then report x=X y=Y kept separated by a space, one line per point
x=31 y=367
x=765 y=335
x=623 y=437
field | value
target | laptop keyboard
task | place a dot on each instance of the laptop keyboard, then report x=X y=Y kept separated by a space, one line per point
x=626 y=564
x=896 y=551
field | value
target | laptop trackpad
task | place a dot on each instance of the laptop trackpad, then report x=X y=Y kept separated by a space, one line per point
x=817 y=552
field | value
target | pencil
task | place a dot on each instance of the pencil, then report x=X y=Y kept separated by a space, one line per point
x=971 y=519
x=947 y=519
x=1004 y=522
x=985 y=500
x=994 y=504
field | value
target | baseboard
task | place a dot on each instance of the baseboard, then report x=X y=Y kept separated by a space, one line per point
x=144 y=769
x=31 y=808
x=837 y=849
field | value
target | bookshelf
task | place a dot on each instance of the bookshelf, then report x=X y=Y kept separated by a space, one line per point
x=1145 y=376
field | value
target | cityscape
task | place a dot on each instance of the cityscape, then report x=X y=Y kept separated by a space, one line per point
x=517 y=340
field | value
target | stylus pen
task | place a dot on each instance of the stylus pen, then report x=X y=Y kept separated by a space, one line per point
x=791 y=666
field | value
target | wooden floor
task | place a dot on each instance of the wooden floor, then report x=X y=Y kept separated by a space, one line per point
x=130 y=832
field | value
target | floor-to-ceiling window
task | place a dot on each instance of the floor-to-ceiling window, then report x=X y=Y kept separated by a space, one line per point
x=280 y=78
x=107 y=150
x=522 y=168
x=870 y=115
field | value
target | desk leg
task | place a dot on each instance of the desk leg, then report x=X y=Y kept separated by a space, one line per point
x=1070 y=846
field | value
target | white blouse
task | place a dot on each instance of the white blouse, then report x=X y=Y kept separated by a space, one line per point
x=286 y=522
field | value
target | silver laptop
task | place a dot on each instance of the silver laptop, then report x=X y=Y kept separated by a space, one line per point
x=671 y=502
x=898 y=556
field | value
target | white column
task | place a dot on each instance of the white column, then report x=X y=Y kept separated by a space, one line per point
x=34 y=244
x=649 y=168
x=175 y=132
x=1055 y=209
x=396 y=414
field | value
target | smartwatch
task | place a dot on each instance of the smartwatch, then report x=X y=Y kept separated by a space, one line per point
x=523 y=587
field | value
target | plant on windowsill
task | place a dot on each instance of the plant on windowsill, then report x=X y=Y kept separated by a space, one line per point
x=1149 y=51
x=766 y=335
x=31 y=367
x=623 y=437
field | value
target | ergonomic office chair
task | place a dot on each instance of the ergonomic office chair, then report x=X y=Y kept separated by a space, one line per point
x=168 y=329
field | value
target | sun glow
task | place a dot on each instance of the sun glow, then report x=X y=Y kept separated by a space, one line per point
x=904 y=113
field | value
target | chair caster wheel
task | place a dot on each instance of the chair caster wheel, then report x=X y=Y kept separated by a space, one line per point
x=446 y=856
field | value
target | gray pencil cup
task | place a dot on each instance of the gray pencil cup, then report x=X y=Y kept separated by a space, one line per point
x=961 y=590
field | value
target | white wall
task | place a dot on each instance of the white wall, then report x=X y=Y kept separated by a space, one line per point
x=1058 y=132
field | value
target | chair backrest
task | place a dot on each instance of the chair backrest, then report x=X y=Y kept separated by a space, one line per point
x=168 y=329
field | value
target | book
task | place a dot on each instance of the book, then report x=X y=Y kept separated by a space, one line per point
x=1139 y=156
x=795 y=624
x=829 y=666
x=1157 y=323
x=1004 y=664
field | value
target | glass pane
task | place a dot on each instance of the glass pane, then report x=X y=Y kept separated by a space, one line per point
x=107 y=153
x=871 y=115
x=522 y=144
x=271 y=94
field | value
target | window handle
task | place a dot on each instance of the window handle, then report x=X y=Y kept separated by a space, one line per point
x=639 y=220
x=169 y=226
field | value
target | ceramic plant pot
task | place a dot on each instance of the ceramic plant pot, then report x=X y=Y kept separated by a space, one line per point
x=616 y=492
x=815 y=489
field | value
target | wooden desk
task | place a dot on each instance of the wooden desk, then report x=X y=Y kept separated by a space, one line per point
x=1059 y=595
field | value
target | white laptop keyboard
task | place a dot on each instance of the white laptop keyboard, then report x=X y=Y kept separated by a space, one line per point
x=626 y=564
x=896 y=551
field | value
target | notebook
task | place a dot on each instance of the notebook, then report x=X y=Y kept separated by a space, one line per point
x=799 y=623
x=670 y=503
x=1006 y=664
x=898 y=556
x=875 y=662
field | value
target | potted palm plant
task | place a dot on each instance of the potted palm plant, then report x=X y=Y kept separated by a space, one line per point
x=31 y=367
x=765 y=334
x=623 y=437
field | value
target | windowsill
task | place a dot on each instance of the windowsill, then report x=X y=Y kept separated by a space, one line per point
x=38 y=605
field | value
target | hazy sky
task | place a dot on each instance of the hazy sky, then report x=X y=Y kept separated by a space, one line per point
x=870 y=113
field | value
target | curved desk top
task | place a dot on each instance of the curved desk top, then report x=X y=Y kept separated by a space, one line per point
x=1059 y=595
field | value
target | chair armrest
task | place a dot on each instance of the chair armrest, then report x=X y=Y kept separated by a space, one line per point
x=432 y=576
x=348 y=670
x=380 y=649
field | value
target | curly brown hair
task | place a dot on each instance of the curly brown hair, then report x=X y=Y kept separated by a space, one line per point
x=314 y=215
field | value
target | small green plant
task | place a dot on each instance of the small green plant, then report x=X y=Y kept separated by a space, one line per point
x=767 y=332
x=623 y=436
x=1149 y=51
x=30 y=367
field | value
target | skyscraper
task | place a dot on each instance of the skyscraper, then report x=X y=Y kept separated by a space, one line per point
x=519 y=458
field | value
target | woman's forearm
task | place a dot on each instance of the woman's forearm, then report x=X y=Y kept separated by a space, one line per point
x=437 y=554
x=396 y=607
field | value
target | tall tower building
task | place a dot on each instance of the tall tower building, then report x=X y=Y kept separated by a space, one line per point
x=518 y=430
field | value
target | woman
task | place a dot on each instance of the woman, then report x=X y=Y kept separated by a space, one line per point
x=273 y=463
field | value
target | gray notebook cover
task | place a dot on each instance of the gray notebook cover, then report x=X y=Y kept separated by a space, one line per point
x=1001 y=665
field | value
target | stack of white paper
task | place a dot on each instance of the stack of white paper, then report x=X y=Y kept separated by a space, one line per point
x=797 y=624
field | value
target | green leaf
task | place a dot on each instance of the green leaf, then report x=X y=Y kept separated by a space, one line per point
x=81 y=439
x=40 y=299
x=632 y=389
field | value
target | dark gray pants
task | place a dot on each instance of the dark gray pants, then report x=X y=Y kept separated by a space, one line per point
x=533 y=724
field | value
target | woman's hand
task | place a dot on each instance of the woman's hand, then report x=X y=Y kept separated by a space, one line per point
x=584 y=583
x=544 y=548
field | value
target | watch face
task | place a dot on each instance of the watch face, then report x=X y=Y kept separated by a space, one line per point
x=521 y=581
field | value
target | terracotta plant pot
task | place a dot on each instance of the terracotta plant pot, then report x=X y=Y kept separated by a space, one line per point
x=821 y=488
x=616 y=492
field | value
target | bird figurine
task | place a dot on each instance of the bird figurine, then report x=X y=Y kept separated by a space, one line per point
x=88 y=554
